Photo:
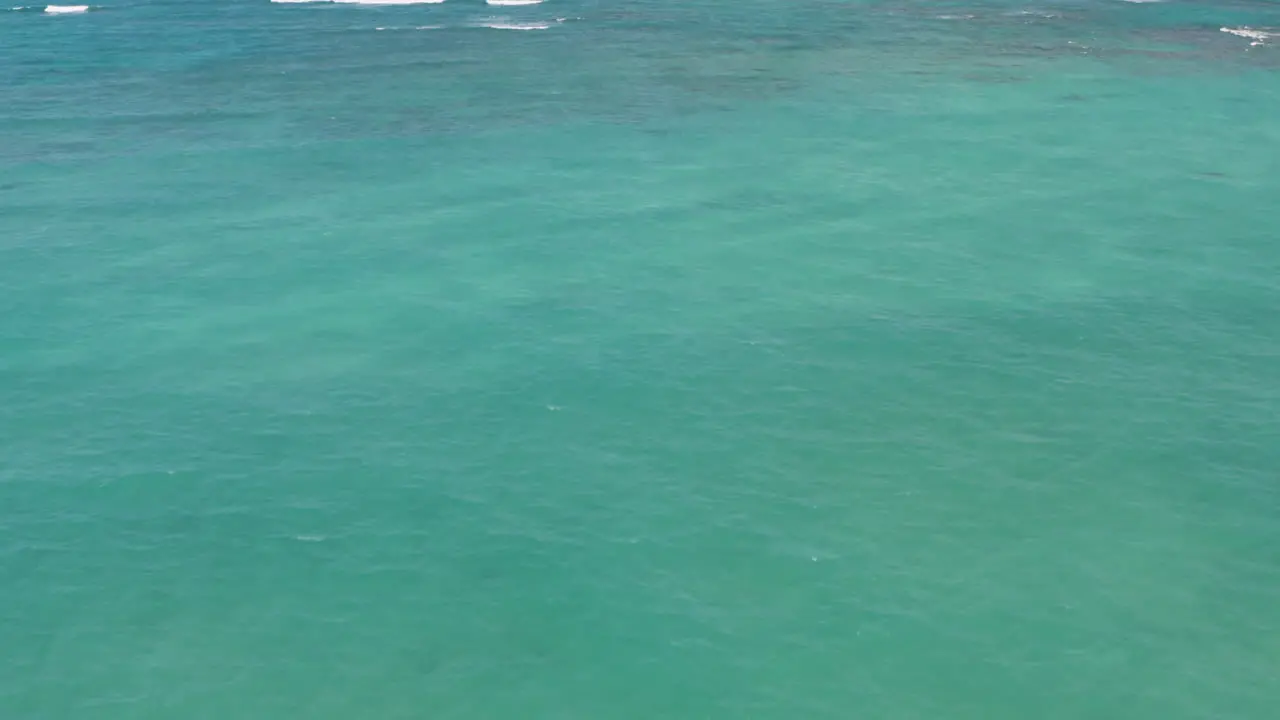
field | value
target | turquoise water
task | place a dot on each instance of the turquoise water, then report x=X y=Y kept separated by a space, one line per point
x=752 y=359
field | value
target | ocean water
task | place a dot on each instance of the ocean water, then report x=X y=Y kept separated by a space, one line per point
x=892 y=359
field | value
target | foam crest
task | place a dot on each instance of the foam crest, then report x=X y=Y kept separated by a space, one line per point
x=1257 y=36
x=65 y=9
x=513 y=3
x=505 y=25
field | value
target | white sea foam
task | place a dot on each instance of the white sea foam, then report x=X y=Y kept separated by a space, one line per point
x=415 y=27
x=65 y=9
x=1257 y=36
x=502 y=25
x=513 y=2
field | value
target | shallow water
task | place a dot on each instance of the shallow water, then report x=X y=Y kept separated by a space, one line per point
x=720 y=360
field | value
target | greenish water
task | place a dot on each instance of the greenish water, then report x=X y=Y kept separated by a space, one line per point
x=676 y=360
